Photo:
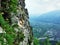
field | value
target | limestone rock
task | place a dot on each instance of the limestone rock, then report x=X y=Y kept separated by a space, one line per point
x=22 y=19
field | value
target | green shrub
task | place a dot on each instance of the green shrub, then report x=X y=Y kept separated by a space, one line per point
x=9 y=36
x=36 y=41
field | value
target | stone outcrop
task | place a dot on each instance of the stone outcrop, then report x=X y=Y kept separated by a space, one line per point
x=24 y=23
x=22 y=19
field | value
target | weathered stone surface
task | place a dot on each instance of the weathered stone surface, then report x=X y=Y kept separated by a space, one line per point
x=24 y=24
x=22 y=19
x=1 y=30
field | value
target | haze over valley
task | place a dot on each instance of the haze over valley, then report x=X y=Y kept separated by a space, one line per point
x=46 y=24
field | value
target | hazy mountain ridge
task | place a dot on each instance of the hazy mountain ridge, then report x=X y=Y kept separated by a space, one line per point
x=50 y=17
x=46 y=22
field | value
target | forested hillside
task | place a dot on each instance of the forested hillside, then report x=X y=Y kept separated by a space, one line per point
x=47 y=24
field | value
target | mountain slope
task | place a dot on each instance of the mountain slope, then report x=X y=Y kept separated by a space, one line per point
x=48 y=22
x=50 y=17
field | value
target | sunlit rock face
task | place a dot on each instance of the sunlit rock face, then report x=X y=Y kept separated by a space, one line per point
x=22 y=19
x=24 y=23
x=1 y=30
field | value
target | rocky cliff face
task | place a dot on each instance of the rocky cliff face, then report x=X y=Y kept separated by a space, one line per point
x=22 y=19
x=24 y=23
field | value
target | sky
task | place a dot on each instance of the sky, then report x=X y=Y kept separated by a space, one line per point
x=38 y=7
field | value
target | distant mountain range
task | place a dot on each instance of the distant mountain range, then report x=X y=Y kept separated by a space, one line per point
x=48 y=23
x=50 y=17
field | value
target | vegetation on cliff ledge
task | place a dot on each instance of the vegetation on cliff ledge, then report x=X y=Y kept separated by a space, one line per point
x=9 y=36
